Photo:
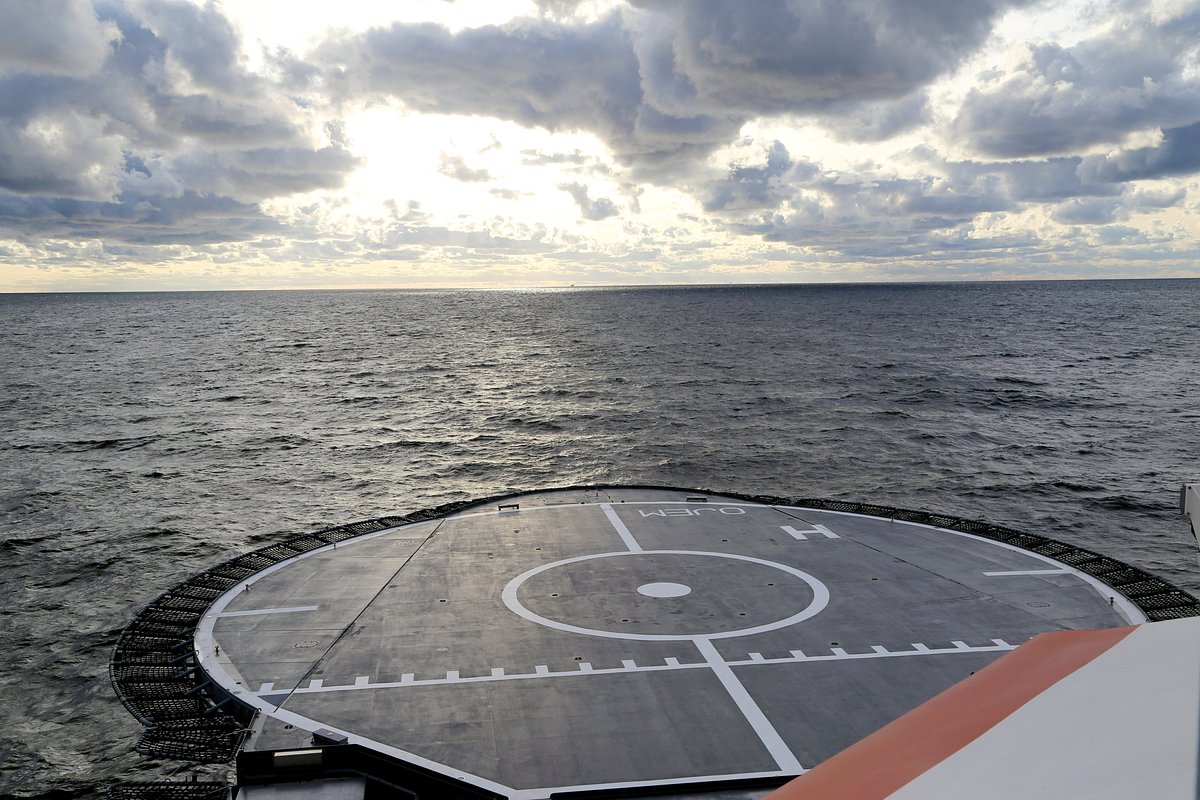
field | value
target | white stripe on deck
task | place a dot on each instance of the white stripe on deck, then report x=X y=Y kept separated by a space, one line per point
x=494 y=674
x=257 y=611
x=622 y=531
x=762 y=726
x=669 y=664
x=1007 y=572
x=877 y=651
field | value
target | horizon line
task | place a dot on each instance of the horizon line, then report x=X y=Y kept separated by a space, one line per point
x=594 y=286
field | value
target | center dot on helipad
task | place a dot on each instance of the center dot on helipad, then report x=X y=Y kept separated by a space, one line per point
x=664 y=589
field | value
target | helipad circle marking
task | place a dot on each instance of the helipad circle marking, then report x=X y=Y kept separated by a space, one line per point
x=819 y=601
x=664 y=589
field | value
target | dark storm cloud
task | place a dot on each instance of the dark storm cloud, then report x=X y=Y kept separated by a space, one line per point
x=1136 y=77
x=148 y=119
x=664 y=83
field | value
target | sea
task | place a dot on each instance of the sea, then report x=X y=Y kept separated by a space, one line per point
x=145 y=437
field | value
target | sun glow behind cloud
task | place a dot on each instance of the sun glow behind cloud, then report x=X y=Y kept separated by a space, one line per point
x=456 y=166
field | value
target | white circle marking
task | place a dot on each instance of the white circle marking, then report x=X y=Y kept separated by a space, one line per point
x=819 y=601
x=664 y=589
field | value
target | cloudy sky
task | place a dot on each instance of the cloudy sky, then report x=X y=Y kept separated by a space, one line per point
x=172 y=144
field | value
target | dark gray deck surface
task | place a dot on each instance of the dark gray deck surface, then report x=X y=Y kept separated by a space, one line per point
x=553 y=647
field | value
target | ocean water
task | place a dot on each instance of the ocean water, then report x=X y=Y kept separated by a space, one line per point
x=147 y=436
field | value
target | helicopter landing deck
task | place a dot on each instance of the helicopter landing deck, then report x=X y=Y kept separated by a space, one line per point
x=620 y=637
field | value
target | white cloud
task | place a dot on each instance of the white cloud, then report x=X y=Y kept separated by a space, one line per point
x=154 y=138
x=1133 y=76
x=57 y=37
x=594 y=209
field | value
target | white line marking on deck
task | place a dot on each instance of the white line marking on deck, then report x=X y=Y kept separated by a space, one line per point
x=878 y=651
x=409 y=679
x=1007 y=572
x=622 y=531
x=256 y=611
x=762 y=726
x=671 y=663
x=316 y=683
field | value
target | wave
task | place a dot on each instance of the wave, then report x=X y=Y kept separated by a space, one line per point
x=86 y=445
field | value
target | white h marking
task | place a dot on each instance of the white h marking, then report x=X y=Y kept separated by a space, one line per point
x=821 y=529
